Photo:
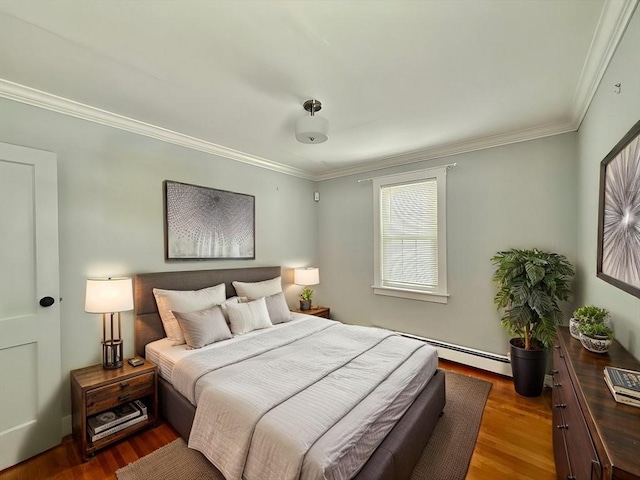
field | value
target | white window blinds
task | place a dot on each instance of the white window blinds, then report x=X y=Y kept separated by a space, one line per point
x=409 y=234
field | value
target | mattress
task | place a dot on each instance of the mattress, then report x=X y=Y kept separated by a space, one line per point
x=335 y=454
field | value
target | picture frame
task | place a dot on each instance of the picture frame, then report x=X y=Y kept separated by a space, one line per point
x=618 y=257
x=203 y=223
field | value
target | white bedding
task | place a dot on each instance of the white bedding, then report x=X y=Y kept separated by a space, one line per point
x=386 y=375
x=164 y=354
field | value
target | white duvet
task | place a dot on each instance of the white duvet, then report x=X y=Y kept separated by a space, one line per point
x=310 y=401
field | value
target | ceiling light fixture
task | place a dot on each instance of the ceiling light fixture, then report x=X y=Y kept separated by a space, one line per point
x=312 y=129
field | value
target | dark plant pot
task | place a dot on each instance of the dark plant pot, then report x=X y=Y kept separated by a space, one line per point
x=305 y=304
x=529 y=368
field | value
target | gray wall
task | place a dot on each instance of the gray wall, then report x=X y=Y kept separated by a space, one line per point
x=111 y=213
x=609 y=118
x=521 y=195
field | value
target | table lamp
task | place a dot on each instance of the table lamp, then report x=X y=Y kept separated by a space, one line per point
x=306 y=276
x=109 y=296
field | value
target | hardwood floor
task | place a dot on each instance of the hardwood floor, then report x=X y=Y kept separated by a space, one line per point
x=514 y=442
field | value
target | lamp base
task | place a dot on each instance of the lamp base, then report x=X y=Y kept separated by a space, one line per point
x=112 y=354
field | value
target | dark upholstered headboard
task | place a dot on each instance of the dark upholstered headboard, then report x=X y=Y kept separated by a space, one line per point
x=148 y=326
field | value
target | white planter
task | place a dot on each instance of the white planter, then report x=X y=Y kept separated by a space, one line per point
x=596 y=345
x=573 y=328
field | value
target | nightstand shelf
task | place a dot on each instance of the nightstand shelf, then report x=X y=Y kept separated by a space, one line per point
x=324 y=312
x=95 y=390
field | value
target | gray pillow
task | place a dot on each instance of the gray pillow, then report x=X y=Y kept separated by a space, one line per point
x=203 y=327
x=277 y=308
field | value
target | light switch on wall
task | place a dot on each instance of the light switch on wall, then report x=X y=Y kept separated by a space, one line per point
x=316 y=196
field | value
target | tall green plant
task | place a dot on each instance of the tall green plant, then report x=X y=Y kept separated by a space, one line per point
x=530 y=285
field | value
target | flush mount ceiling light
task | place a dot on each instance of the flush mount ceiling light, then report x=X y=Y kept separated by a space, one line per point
x=312 y=129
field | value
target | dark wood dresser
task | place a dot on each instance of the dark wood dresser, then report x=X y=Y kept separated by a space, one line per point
x=594 y=437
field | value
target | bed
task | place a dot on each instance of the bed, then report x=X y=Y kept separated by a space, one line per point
x=393 y=458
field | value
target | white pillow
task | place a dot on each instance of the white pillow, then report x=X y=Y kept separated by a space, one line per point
x=185 y=301
x=277 y=308
x=229 y=300
x=258 y=289
x=245 y=317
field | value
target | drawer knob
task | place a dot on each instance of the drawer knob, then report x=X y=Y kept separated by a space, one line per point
x=122 y=398
x=556 y=346
x=560 y=405
x=553 y=372
x=571 y=477
x=557 y=384
x=562 y=426
x=124 y=384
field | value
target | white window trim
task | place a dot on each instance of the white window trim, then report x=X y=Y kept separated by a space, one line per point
x=439 y=295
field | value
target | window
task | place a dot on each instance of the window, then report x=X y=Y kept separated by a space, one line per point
x=410 y=235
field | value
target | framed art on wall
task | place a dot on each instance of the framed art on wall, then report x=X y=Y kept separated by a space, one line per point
x=619 y=215
x=205 y=223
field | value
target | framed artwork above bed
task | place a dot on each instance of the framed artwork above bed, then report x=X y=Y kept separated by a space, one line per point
x=204 y=223
x=619 y=215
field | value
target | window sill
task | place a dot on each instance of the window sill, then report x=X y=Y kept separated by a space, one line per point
x=412 y=294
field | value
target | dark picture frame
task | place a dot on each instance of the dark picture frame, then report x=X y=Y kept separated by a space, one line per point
x=618 y=260
x=203 y=223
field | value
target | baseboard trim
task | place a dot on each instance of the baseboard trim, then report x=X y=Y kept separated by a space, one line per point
x=491 y=362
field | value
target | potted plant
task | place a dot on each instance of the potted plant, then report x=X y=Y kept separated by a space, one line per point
x=305 y=298
x=530 y=285
x=595 y=337
x=587 y=314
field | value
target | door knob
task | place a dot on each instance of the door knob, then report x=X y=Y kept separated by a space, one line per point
x=46 y=301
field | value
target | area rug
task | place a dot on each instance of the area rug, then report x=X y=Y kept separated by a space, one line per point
x=446 y=456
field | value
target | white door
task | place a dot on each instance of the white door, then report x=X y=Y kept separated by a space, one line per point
x=30 y=416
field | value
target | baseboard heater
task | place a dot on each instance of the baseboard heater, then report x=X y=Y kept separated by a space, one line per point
x=492 y=362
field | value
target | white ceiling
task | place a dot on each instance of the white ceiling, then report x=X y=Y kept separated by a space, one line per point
x=399 y=81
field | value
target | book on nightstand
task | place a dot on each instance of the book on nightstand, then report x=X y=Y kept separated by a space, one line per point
x=117 y=428
x=112 y=418
x=622 y=381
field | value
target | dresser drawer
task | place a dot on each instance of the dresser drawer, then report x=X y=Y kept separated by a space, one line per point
x=109 y=396
x=558 y=405
x=580 y=448
x=571 y=435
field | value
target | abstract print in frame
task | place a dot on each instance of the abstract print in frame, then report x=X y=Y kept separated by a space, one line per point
x=204 y=223
x=619 y=215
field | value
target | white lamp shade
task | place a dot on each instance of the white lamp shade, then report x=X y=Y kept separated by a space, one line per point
x=306 y=276
x=312 y=129
x=108 y=295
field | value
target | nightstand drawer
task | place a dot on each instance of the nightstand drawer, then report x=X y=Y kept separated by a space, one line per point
x=109 y=396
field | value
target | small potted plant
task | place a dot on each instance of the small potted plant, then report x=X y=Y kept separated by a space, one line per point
x=595 y=337
x=587 y=314
x=305 y=298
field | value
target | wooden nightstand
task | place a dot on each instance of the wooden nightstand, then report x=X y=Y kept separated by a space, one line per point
x=95 y=390
x=324 y=312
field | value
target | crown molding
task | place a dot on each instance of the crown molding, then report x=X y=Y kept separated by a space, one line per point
x=453 y=149
x=38 y=98
x=614 y=18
